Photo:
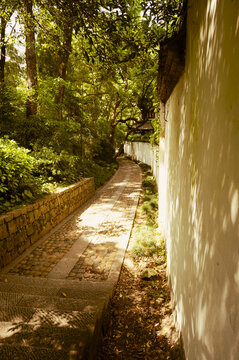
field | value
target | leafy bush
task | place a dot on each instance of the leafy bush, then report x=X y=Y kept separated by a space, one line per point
x=150 y=208
x=24 y=175
x=60 y=168
x=100 y=171
x=145 y=241
x=140 y=137
x=149 y=184
x=145 y=167
x=17 y=182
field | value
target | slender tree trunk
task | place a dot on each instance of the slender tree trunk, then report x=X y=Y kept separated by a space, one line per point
x=113 y=123
x=121 y=148
x=31 y=62
x=3 y=51
x=64 y=57
x=112 y=134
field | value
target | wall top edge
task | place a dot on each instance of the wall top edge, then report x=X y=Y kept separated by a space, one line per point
x=8 y=216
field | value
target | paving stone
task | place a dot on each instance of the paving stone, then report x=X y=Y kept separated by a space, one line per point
x=3 y=231
x=54 y=297
x=16 y=314
x=30 y=290
x=8 y=352
x=55 y=338
x=9 y=299
x=56 y=303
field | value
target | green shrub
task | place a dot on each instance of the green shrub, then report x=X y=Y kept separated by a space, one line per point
x=17 y=182
x=24 y=175
x=145 y=167
x=140 y=137
x=150 y=208
x=60 y=168
x=101 y=171
x=149 y=184
x=145 y=243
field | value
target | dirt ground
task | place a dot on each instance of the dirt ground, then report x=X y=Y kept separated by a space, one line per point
x=140 y=319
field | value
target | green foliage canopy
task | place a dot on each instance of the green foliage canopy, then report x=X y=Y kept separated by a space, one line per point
x=97 y=64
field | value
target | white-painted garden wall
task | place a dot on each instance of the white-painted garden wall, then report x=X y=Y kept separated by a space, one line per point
x=146 y=153
x=202 y=184
x=154 y=157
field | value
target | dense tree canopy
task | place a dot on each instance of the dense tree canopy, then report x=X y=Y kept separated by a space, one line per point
x=77 y=77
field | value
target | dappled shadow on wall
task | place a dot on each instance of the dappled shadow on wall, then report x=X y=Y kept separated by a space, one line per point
x=203 y=188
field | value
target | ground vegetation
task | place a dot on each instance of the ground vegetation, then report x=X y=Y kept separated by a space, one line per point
x=141 y=324
x=77 y=78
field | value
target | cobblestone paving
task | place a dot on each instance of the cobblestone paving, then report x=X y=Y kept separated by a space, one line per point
x=43 y=259
x=96 y=261
x=104 y=220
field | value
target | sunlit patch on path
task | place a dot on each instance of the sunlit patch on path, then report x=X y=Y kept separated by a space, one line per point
x=54 y=297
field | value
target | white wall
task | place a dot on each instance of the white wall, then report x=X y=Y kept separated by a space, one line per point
x=146 y=153
x=202 y=184
x=154 y=157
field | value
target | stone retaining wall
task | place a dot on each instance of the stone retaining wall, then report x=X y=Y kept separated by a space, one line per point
x=23 y=227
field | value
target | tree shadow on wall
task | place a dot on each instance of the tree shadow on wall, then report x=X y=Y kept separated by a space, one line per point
x=203 y=185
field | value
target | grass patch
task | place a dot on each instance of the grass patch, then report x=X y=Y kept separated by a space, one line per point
x=144 y=241
x=147 y=241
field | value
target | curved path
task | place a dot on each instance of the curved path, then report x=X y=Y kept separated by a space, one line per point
x=54 y=297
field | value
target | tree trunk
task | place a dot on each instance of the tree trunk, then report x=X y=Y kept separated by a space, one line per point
x=121 y=148
x=64 y=57
x=3 y=51
x=31 y=62
x=113 y=123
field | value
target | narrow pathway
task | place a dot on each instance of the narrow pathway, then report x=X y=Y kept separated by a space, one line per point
x=54 y=298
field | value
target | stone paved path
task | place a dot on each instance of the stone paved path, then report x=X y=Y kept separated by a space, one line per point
x=54 y=297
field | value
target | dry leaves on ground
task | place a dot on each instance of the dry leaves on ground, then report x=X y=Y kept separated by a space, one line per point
x=140 y=317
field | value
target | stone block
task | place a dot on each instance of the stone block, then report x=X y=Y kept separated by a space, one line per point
x=24 y=210
x=3 y=231
x=24 y=245
x=12 y=227
x=30 y=208
x=3 y=246
x=44 y=208
x=35 y=205
x=10 y=244
x=17 y=240
x=48 y=226
x=21 y=222
x=37 y=214
x=33 y=221
x=40 y=203
x=31 y=217
x=8 y=217
x=30 y=230
x=35 y=235
x=17 y=213
x=5 y=259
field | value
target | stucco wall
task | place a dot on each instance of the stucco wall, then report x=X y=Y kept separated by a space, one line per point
x=202 y=183
x=22 y=227
x=146 y=153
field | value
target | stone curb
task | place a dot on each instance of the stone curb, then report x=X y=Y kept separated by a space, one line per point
x=55 y=296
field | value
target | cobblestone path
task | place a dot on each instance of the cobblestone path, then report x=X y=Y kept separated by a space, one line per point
x=53 y=297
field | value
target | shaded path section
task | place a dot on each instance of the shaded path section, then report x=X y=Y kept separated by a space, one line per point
x=53 y=298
